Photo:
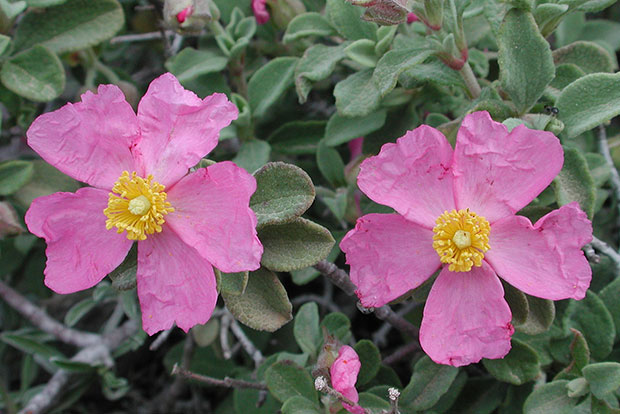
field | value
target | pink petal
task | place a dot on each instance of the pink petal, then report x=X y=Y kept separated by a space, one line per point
x=178 y=128
x=175 y=283
x=497 y=173
x=91 y=140
x=466 y=318
x=543 y=260
x=389 y=256
x=212 y=214
x=259 y=8
x=80 y=251
x=413 y=176
x=345 y=368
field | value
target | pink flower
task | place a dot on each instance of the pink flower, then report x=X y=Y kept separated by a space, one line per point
x=412 y=17
x=457 y=208
x=184 y=14
x=137 y=166
x=259 y=8
x=343 y=374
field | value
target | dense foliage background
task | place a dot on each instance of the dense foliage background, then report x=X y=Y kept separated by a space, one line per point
x=309 y=81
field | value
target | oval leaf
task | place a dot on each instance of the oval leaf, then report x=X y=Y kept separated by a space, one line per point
x=306 y=329
x=518 y=367
x=36 y=74
x=283 y=193
x=269 y=83
x=294 y=245
x=74 y=25
x=550 y=398
x=574 y=182
x=428 y=383
x=342 y=129
x=13 y=175
x=357 y=95
x=588 y=102
x=264 y=305
x=285 y=380
x=604 y=378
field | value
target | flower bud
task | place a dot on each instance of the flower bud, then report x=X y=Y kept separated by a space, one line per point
x=189 y=16
x=384 y=12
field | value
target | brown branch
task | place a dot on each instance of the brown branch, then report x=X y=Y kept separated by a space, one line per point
x=226 y=382
x=43 y=321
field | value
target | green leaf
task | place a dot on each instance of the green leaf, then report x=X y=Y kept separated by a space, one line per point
x=609 y=295
x=574 y=182
x=36 y=74
x=298 y=137
x=74 y=25
x=591 y=317
x=30 y=345
x=480 y=396
x=300 y=405
x=518 y=304
x=565 y=74
x=434 y=71
x=190 y=63
x=346 y=19
x=338 y=325
x=264 y=305
x=45 y=180
x=44 y=3
x=285 y=380
x=518 y=367
x=13 y=175
x=588 y=56
x=370 y=359
x=330 y=164
x=550 y=398
x=602 y=30
x=294 y=245
x=269 y=83
x=283 y=193
x=73 y=366
x=317 y=63
x=540 y=316
x=253 y=154
x=525 y=61
x=599 y=169
x=588 y=102
x=592 y=6
x=233 y=283
x=124 y=276
x=428 y=383
x=342 y=129
x=306 y=329
x=357 y=95
x=362 y=51
x=77 y=311
x=206 y=334
x=308 y=24
x=373 y=403
x=603 y=377
x=395 y=62
x=5 y=42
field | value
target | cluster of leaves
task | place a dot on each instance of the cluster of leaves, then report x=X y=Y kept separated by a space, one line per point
x=306 y=84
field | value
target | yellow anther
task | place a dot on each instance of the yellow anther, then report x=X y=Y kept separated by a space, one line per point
x=461 y=238
x=137 y=205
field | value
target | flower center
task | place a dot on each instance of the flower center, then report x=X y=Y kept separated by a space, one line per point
x=137 y=206
x=461 y=238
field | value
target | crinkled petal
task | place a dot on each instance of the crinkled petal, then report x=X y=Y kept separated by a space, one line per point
x=212 y=214
x=91 y=140
x=80 y=251
x=413 y=176
x=259 y=7
x=466 y=318
x=496 y=173
x=544 y=260
x=175 y=283
x=345 y=368
x=389 y=256
x=178 y=128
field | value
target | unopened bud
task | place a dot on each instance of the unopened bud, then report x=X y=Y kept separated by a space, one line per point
x=189 y=16
x=9 y=222
x=283 y=11
x=384 y=12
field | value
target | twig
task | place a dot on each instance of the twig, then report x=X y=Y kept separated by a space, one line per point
x=379 y=337
x=226 y=382
x=142 y=37
x=161 y=338
x=591 y=254
x=225 y=322
x=401 y=353
x=320 y=383
x=99 y=352
x=603 y=147
x=470 y=80
x=337 y=276
x=43 y=321
x=393 y=395
x=341 y=279
x=167 y=399
x=249 y=347
x=607 y=250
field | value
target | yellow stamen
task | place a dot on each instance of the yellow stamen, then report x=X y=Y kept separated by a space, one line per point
x=137 y=206
x=461 y=238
